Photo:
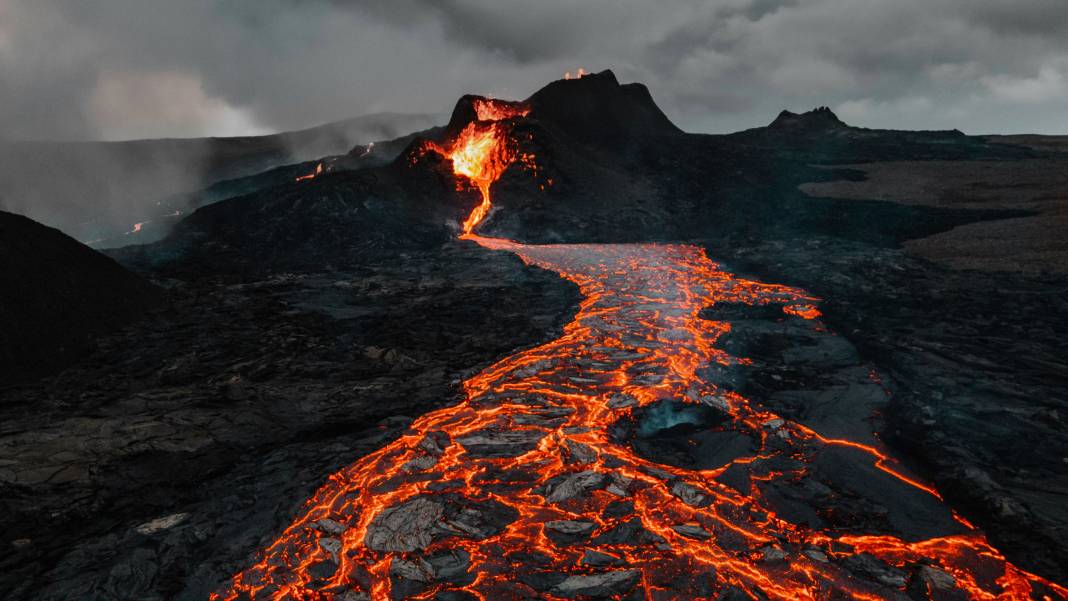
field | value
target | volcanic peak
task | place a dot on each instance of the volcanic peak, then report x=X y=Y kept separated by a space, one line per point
x=593 y=107
x=597 y=106
x=819 y=118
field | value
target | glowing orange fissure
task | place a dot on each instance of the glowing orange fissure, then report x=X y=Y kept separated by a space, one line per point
x=318 y=171
x=482 y=151
x=636 y=340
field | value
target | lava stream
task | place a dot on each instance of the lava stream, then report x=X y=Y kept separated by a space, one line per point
x=317 y=172
x=521 y=490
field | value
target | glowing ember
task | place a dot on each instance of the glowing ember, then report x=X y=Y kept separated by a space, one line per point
x=578 y=74
x=488 y=109
x=318 y=170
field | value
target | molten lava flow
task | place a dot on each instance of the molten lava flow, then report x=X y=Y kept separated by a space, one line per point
x=481 y=154
x=482 y=151
x=318 y=171
x=578 y=74
x=522 y=490
x=489 y=109
x=526 y=490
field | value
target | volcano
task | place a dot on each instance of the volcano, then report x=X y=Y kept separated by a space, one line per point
x=559 y=348
x=97 y=191
x=527 y=466
x=821 y=118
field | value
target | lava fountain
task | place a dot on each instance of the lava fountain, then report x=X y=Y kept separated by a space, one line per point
x=522 y=491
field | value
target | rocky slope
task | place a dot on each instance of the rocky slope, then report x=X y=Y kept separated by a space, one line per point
x=631 y=176
x=975 y=365
x=97 y=191
x=155 y=467
x=55 y=295
x=332 y=221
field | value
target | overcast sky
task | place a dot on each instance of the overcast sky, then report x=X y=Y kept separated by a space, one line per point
x=114 y=69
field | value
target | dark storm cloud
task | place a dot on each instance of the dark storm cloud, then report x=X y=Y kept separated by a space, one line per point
x=1039 y=17
x=127 y=68
x=525 y=33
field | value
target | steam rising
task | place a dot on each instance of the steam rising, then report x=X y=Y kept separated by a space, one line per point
x=97 y=191
x=79 y=71
x=663 y=416
x=249 y=66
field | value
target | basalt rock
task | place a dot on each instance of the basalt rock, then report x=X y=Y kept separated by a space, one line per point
x=498 y=443
x=405 y=527
x=56 y=297
x=148 y=427
x=602 y=585
x=314 y=320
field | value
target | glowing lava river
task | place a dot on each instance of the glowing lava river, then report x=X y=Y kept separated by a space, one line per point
x=527 y=489
x=523 y=483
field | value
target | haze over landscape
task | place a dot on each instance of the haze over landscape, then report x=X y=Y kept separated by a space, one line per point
x=144 y=69
x=329 y=300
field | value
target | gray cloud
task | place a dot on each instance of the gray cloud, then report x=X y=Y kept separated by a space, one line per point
x=135 y=68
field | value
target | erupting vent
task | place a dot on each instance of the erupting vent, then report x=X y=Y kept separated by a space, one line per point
x=482 y=151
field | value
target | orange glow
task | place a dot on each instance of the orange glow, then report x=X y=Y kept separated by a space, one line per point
x=318 y=170
x=481 y=154
x=489 y=109
x=638 y=337
x=636 y=340
x=578 y=74
x=802 y=310
x=482 y=151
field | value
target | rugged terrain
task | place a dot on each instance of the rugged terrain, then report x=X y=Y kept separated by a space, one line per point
x=975 y=363
x=97 y=191
x=55 y=296
x=307 y=322
x=976 y=359
x=156 y=465
x=1030 y=243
